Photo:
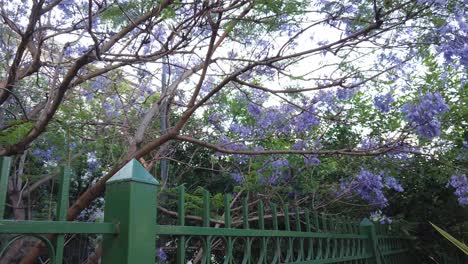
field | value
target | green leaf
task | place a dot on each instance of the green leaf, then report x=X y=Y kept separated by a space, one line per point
x=450 y=238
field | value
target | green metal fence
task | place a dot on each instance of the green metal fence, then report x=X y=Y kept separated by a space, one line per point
x=274 y=235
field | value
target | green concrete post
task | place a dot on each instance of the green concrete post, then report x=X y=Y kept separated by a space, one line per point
x=131 y=204
x=367 y=228
x=4 y=173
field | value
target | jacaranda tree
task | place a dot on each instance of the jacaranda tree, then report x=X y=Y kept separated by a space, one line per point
x=299 y=82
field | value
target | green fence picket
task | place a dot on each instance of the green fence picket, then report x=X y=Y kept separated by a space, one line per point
x=263 y=241
x=181 y=247
x=274 y=215
x=5 y=163
x=62 y=206
x=310 y=248
x=227 y=224
x=317 y=226
x=300 y=254
x=247 y=259
x=325 y=229
x=290 y=246
x=206 y=258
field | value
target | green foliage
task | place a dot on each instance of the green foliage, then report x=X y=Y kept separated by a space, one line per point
x=16 y=131
x=118 y=13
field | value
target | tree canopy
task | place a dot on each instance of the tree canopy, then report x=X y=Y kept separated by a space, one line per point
x=338 y=105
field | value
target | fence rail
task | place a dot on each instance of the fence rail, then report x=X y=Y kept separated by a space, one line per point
x=130 y=230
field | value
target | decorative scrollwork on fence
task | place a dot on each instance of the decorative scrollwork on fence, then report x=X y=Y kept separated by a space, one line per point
x=49 y=245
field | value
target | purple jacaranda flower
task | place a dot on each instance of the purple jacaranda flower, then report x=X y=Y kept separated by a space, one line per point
x=299 y=145
x=345 y=94
x=392 y=183
x=382 y=102
x=423 y=115
x=162 y=256
x=311 y=160
x=281 y=163
x=254 y=109
x=237 y=177
x=460 y=184
x=370 y=187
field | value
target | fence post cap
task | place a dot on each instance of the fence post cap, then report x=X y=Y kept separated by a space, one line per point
x=133 y=171
x=366 y=222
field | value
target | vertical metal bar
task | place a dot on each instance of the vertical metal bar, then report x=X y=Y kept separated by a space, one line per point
x=248 y=240
x=274 y=215
x=206 y=223
x=300 y=255
x=333 y=229
x=62 y=206
x=342 y=229
x=317 y=225
x=227 y=211
x=245 y=213
x=325 y=229
x=227 y=224
x=181 y=222
x=263 y=243
x=206 y=208
x=355 y=241
x=348 y=241
x=310 y=249
x=335 y=245
x=5 y=163
x=289 y=254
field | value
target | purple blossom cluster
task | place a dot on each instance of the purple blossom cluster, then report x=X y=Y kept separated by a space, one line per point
x=286 y=26
x=93 y=162
x=66 y=6
x=284 y=119
x=272 y=180
x=392 y=183
x=299 y=145
x=240 y=130
x=162 y=256
x=460 y=184
x=377 y=216
x=47 y=154
x=254 y=110
x=452 y=37
x=305 y=121
x=273 y=118
x=382 y=102
x=278 y=164
x=311 y=160
x=430 y=2
x=100 y=84
x=216 y=120
x=370 y=187
x=278 y=171
x=237 y=177
x=345 y=94
x=226 y=143
x=368 y=143
x=423 y=115
x=77 y=50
